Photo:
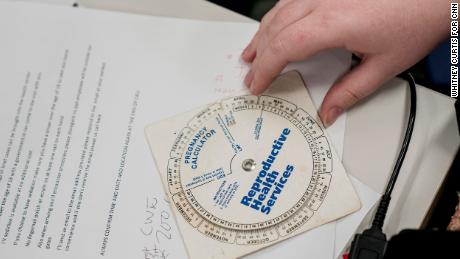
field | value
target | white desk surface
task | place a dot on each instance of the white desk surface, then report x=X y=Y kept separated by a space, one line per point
x=374 y=130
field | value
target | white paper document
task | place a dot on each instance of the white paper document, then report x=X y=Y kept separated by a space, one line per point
x=77 y=88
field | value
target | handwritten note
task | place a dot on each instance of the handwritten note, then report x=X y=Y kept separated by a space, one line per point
x=156 y=228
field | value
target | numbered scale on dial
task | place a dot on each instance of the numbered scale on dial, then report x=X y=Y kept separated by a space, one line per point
x=249 y=169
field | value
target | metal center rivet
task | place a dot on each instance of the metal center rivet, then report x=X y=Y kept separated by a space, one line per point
x=249 y=165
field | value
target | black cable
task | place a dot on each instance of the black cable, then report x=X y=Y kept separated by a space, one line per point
x=371 y=244
x=386 y=197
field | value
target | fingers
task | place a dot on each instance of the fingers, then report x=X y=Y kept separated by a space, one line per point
x=288 y=14
x=296 y=42
x=357 y=84
x=249 y=53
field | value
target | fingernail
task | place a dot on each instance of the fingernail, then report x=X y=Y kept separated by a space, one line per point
x=332 y=116
x=252 y=86
x=244 y=51
x=245 y=55
x=248 y=79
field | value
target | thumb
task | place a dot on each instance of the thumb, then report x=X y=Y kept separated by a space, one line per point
x=352 y=87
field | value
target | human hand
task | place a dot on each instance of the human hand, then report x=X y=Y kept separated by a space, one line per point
x=389 y=36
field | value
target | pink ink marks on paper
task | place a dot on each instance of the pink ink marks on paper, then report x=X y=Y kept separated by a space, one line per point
x=219 y=78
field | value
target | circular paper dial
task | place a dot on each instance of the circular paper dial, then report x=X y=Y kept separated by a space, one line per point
x=249 y=169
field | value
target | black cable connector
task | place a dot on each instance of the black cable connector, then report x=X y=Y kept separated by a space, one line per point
x=372 y=243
